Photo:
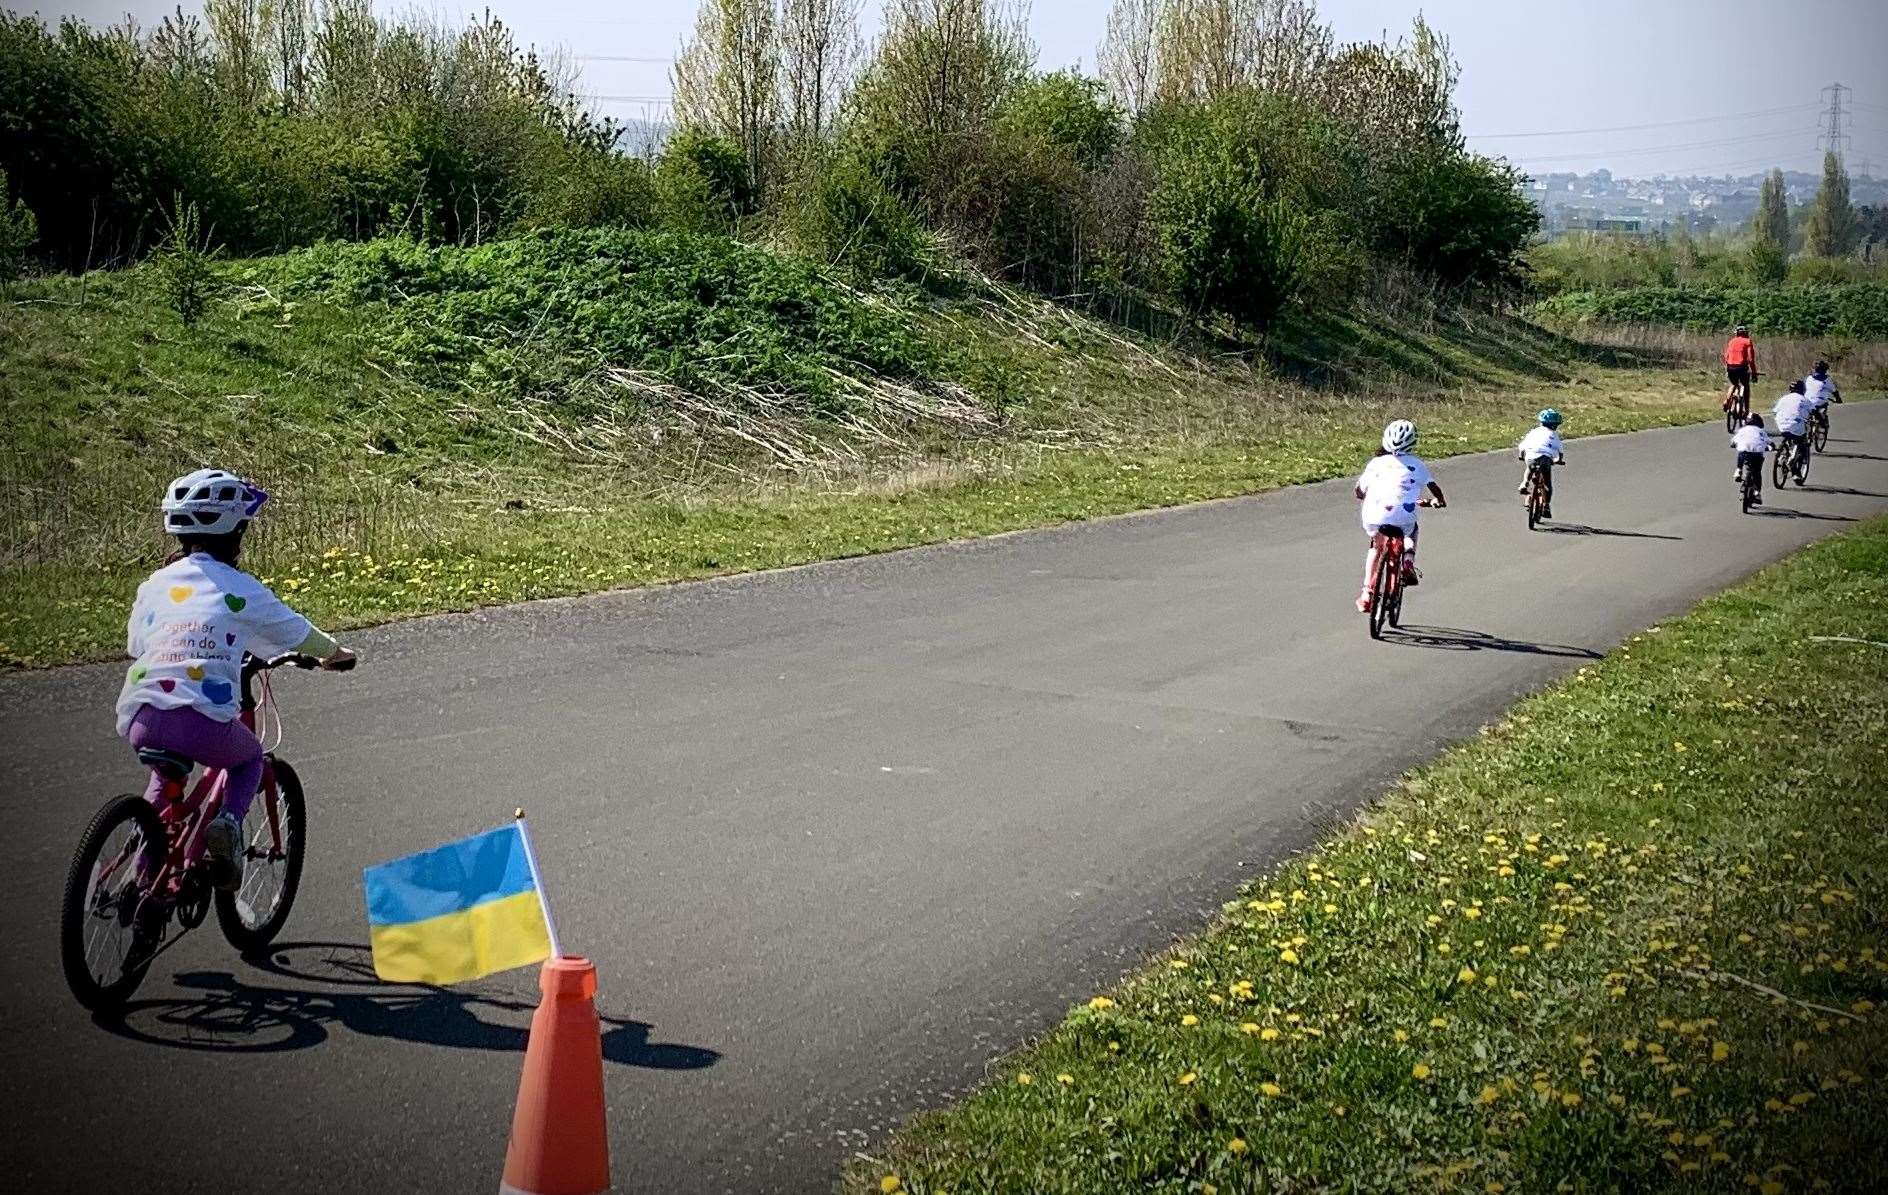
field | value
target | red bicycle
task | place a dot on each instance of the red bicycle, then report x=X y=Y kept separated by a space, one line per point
x=140 y=865
x=1387 y=577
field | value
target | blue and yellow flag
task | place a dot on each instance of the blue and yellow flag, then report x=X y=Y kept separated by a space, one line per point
x=458 y=911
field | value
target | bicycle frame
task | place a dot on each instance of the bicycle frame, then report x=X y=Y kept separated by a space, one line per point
x=186 y=814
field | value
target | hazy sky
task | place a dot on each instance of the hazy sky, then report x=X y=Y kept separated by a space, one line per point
x=1729 y=85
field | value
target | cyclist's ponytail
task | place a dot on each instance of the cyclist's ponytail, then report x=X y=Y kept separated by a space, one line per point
x=223 y=548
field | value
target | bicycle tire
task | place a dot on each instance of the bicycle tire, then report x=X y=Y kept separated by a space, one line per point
x=1533 y=508
x=1394 y=615
x=1749 y=492
x=293 y=817
x=90 y=990
x=1780 y=467
x=1380 y=586
x=1819 y=435
x=1802 y=467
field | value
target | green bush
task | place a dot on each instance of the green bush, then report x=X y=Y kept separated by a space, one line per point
x=849 y=219
x=1067 y=111
x=703 y=182
x=701 y=312
x=1859 y=311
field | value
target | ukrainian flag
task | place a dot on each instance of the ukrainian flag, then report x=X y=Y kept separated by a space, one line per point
x=458 y=911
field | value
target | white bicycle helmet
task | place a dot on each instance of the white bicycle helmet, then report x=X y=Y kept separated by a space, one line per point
x=1399 y=437
x=210 y=502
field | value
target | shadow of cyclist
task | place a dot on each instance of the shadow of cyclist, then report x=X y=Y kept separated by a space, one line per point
x=1457 y=639
x=1585 y=529
x=236 y=1016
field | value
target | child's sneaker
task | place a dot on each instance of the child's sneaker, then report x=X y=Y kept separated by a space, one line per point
x=222 y=852
x=1411 y=577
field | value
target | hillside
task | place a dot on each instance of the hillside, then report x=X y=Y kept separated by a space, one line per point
x=444 y=428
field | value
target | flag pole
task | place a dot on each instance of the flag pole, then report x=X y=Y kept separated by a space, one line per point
x=537 y=881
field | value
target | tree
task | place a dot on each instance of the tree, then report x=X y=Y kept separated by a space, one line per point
x=819 y=47
x=1126 y=54
x=1772 y=225
x=1206 y=48
x=1831 y=231
x=726 y=79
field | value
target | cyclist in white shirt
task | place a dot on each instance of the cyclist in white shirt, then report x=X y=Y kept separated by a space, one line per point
x=1543 y=443
x=1751 y=442
x=1792 y=414
x=1391 y=488
x=1820 y=388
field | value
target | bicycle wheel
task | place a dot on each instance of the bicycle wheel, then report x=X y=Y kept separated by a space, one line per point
x=1394 y=615
x=274 y=845
x=1749 y=492
x=1780 y=467
x=1819 y=433
x=1731 y=420
x=1382 y=586
x=108 y=915
x=1802 y=466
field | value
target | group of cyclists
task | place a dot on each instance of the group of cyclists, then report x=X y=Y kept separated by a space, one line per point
x=1396 y=483
x=1803 y=407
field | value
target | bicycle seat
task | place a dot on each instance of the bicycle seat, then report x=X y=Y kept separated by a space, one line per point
x=1390 y=531
x=172 y=765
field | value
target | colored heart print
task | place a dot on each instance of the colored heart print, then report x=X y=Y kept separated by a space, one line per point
x=230 y=638
x=138 y=673
x=150 y=616
x=168 y=685
x=179 y=593
x=1409 y=506
x=195 y=672
x=218 y=691
x=234 y=603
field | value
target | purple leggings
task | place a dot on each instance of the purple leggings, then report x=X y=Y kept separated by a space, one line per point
x=227 y=745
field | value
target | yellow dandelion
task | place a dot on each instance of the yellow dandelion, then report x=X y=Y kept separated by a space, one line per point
x=1570 y=1099
x=1101 y=1003
x=1268 y=1034
x=1465 y=975
x=1189 y=1020
x=1271 y=1089
x=889 y=1184
x=1065 y=1079
x=1719 y=1051
x=1419 y=1071
x=1249 y=1028
x=1489 y=1095
x=1187 y=1079
x=1288 y=955
x=1236 y=1145
x=1025 y=1078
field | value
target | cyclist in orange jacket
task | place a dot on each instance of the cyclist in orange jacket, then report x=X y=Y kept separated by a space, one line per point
x=1740 y=366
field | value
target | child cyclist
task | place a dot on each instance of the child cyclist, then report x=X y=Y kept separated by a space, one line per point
x=191 y=624
x=1792 y=415
x=1541 y=444
x=1751 y=442
x=1391 y=488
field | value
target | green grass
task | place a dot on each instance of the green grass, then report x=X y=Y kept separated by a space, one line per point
x=1545 y=959
x=406 y=483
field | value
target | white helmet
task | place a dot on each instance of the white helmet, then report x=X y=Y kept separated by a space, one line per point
x=1399 y=437
x=210 y=502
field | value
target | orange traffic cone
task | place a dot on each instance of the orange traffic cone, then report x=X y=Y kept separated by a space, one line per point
x=559 y=1142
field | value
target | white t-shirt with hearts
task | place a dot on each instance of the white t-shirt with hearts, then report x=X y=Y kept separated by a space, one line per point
x=1392 y=486
x=189 y=628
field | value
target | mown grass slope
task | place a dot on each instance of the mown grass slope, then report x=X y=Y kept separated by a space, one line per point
x=1628 y=939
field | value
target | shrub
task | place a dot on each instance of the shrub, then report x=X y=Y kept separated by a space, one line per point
x=1859 y=311
x=702 y=181
x=18 y=230
x=184 y=267
x=850 y=219
x=1067 y=111
x=1459 y=217
x=1769 y=263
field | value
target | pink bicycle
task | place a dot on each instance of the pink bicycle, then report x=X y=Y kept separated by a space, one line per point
x=140 y=865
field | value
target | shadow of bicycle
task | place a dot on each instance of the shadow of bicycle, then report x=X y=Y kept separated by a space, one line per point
x=1841 y=489
x=1585 y=529
x=1784 y=512
x=1457 y=639
x=234 y=1015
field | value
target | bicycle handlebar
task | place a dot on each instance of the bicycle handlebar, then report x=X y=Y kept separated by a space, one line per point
x=255 y=664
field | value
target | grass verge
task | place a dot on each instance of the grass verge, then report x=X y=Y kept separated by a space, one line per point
x=1630 y=938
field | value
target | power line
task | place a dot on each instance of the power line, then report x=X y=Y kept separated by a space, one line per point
x=1676 y=147
x=1657 y=124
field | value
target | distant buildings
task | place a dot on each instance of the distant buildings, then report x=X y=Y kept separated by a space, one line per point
x=1599 y=202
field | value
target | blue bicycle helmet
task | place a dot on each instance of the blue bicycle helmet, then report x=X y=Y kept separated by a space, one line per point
x=1550 y=418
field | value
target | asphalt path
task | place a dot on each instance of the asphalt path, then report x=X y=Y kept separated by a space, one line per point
x=836 y=836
